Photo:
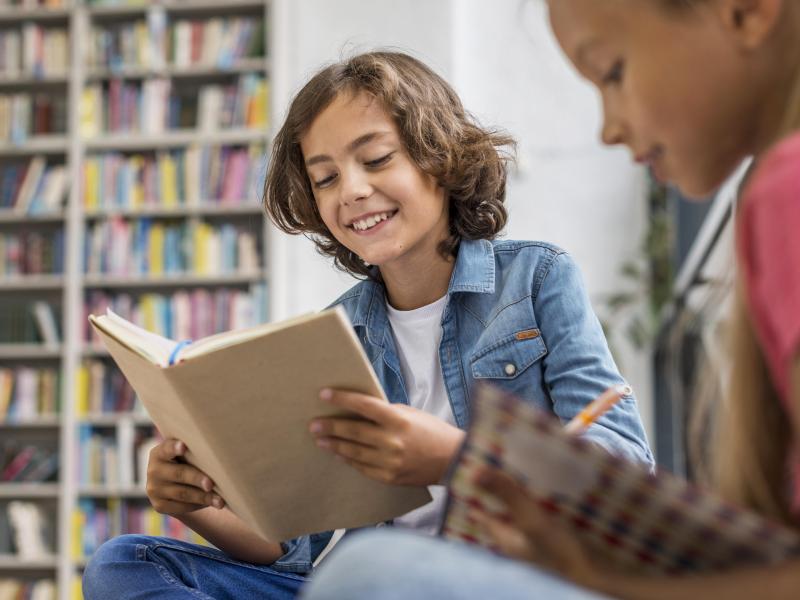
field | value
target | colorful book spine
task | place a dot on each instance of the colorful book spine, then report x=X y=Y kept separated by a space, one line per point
x=31 y=253
x=29 y=393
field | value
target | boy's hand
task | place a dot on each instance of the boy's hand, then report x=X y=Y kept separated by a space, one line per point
x=397 y=444
x=175 y=488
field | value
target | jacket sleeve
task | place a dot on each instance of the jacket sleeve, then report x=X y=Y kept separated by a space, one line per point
x=578 y=366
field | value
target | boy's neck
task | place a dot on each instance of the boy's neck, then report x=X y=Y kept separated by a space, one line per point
x=411 y=288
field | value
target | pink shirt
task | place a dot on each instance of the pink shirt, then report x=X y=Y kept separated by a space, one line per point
x=769 y=255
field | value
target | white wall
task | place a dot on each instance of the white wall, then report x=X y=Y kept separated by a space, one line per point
x=502 y=59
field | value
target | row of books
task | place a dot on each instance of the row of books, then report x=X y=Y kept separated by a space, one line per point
x=33 y=186
x=27 y=393
x=102 y=388
x=31 y=253
x=220 y=174
x=27 y=462
x=184 y=314
x=95 y=522
x=23 y=322
x=14 y=589
x=146 y=246
x=215 y=42
x=26 y=531
x=23 y=115
x=34 y=51
x=156 y=105
x=114 y=457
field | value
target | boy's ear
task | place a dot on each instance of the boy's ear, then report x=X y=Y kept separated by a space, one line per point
x=751 y=21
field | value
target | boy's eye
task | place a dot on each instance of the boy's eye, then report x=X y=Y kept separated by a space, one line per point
x=379 y=161
x=321 y=183
x=614 y=75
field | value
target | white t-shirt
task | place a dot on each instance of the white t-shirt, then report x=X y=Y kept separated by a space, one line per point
x=417 y=335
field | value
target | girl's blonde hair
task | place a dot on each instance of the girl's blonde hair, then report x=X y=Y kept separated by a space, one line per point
x=440 y=137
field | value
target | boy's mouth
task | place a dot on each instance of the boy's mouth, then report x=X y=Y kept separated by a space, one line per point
x=370 y=221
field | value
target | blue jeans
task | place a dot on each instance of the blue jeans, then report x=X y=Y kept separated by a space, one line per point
x=144 y=567
x=397 y=565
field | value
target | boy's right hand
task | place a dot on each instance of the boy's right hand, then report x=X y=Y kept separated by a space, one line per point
x=175 y=488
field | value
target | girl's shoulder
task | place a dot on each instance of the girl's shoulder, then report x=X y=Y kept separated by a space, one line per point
x=772 y=192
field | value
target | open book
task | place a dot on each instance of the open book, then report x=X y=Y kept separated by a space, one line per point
x=242 y=402
x=619 y=510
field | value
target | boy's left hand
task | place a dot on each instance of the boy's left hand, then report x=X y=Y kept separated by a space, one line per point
x=397 y=444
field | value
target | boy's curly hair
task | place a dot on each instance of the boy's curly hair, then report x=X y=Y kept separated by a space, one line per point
x=441 y=138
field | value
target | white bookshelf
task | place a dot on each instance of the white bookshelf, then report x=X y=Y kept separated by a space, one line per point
x=69 y=289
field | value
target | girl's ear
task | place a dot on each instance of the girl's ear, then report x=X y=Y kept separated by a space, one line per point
x=751 y=21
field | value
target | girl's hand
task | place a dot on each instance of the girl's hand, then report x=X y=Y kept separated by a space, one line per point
x=175 y=488
x=397 y=444
x=526 y=532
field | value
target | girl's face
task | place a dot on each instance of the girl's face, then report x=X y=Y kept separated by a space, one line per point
x=675 y=85
x=370 y=194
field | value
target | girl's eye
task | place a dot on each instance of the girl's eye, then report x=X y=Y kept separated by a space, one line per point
x=614 y=75
x=379 y=161
x=324 y=182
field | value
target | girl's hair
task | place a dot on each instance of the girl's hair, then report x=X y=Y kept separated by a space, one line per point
x=752 y=435
x=440 y=137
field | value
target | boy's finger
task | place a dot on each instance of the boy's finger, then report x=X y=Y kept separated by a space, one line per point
x=186 y=475
x=171 y=449
x=369 y=407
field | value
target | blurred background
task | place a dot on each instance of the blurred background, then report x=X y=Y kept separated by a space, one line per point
x=134 y=139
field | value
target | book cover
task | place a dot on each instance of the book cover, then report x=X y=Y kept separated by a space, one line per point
x=242 y=402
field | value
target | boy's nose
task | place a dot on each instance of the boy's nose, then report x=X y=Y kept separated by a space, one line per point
x=353 y=188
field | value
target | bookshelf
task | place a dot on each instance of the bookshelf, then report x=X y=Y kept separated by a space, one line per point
x=143 y=129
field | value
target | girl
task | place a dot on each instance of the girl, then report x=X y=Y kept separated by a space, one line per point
x=692 y=126
x=379 y=163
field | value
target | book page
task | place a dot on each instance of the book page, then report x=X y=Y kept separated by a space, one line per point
x=151 y=346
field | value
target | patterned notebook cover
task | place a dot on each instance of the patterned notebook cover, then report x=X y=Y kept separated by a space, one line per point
x=640 y=521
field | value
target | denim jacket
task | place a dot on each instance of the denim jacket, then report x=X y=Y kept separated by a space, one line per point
x=517 y=315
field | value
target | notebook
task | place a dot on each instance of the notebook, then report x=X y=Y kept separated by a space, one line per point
x=640 y=521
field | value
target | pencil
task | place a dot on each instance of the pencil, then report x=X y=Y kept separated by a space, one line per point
x=595 y=409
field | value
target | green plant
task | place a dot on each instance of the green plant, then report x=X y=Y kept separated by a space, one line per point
x=649 y=277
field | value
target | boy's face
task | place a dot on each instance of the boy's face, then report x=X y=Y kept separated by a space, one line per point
x=672 y=85
x=370 y=194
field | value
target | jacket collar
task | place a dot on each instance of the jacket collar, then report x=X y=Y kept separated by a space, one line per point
x=474 y=271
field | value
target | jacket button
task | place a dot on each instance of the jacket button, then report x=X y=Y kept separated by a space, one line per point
x=510 y=369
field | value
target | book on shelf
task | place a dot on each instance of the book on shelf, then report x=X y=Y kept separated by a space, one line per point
x=637 y=520
x=242 y=401
x=46 y=323
x=30 y=529
x=41 y=589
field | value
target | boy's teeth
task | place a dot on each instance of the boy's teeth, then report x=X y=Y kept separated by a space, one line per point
x=370 y=221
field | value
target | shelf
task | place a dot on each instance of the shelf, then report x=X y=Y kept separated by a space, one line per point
x=174 y=139
x=49 y=422
x=173 y=6
x=111 y=491
x=7 y=215
x=9 y=562
x=185 y=210
x=108 y=281
x=28 y=80
x=31 y=282
x=113 y=419
x=242 y=66
x=28 y=352
x=38 y=144
x=28 y=490
x=12 y=14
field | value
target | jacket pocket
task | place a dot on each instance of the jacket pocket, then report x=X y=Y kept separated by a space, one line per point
x=509 y=356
